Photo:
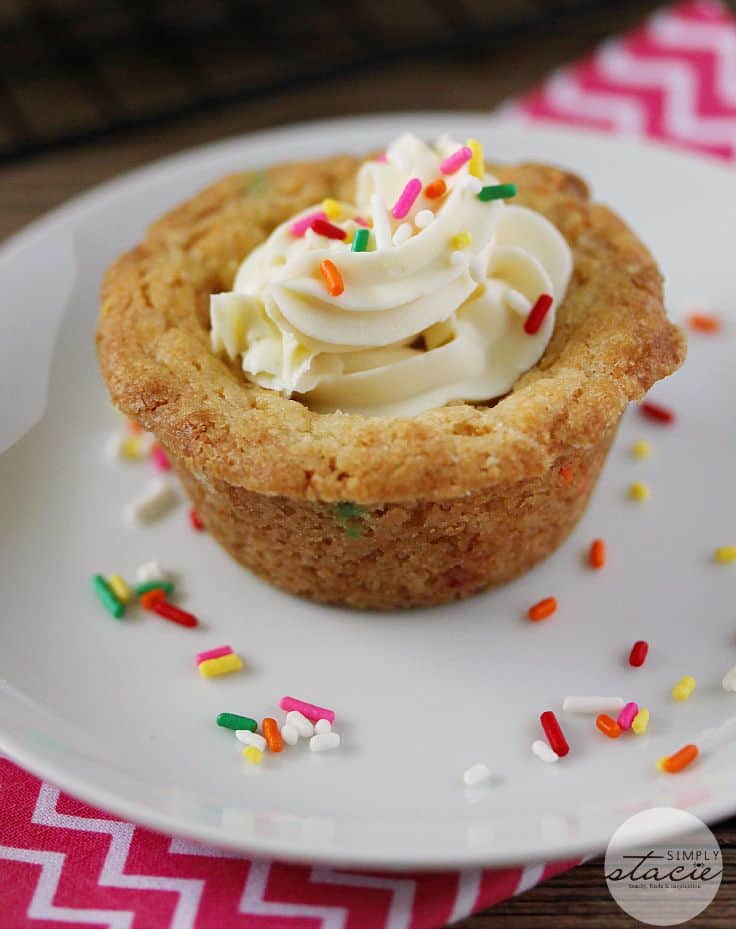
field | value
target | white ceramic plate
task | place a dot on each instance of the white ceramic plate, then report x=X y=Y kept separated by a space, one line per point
x=115 y=711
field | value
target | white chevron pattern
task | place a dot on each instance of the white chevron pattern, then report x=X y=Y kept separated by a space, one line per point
x=400 y=911
x=112 y=872
x=679 y=85
x=42 y=903
x=468 y=887
x=530 y=877
x=253 y=902
x=568 y=97
x=675 y=33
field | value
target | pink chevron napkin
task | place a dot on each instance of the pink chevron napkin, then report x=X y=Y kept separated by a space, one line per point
x=673 y=79
x=64 y=863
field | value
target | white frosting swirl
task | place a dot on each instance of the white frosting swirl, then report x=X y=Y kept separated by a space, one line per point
x=432 y=312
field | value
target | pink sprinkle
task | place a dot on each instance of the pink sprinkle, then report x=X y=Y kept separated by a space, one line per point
x=454 y=162
x=301 y=225
x=218 y=652
x=626 y=716
x=382 y=159
x=407 y=198
x=159 y=458
x=315 y=713
x=361 y=222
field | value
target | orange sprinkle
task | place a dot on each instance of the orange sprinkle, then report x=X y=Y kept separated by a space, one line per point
x=271 y=734
x=567 y=474
x=680 y=759
x=608 y=726
x=543 y=609
x=134 y=427
x=704 y=322
x=435 y=190
x=332 y=277
x=150 y=597
x=597 y=554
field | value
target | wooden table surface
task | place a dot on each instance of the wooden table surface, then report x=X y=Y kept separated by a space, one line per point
x=481 y=81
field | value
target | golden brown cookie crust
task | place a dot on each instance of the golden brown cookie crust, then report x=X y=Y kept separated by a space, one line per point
x=611 y=342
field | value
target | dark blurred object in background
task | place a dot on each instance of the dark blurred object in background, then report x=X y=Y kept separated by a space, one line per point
x=74 y=70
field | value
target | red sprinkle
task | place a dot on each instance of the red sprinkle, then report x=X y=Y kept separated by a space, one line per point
x=639 y=652
x=555 y=735
x=704 y=322
x=537 y=313
x=195 y=520
x=173 y=613
x=543 y=609
x=656 y=412
x=597 y=554
x=327 y=229
x=567 y=474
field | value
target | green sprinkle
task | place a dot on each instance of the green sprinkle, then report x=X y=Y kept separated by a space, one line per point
x=233 y=721
x=107 y=597
x=258 y=183
x=350 y=516
x=360 y=240
x=348 y=510
x=497 y=192
x=154 y=585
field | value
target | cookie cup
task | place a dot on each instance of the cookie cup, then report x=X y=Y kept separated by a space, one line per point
x=366 y=511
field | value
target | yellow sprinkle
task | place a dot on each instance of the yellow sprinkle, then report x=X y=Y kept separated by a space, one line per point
x=250 y=752
x=120 y=588
x=214 y=667
x=476 y=166
x=130 y=447
x=639 y=491
x=725 y=554
x=333 y=208
x=461 y=240
x=641 y=449
x=661 y=762
x=684 y=688
x=641 y=721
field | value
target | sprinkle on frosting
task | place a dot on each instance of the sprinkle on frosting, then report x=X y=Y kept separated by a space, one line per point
x=343 y=305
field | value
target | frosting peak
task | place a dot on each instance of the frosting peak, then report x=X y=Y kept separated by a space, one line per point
x=432 y=310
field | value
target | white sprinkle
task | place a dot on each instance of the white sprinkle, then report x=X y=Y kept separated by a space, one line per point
x=544 y=752
x=251 y=738
x=592 y=706
x=476 y=774
x=478 y=268
x=150 y=571
x=324 y=742
x=160 y=497
x=717 y=736
x=517 y=302
x=729 y=680
x=312 y=240
x=423 y=219
x=289 y=734
x=473 y=184
x=402 y=234
x=322 y=726
x=300 y=722
x=381 y=224
x=113 y=445
x=458 y=258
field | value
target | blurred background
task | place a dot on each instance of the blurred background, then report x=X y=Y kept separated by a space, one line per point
x=89 y=88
